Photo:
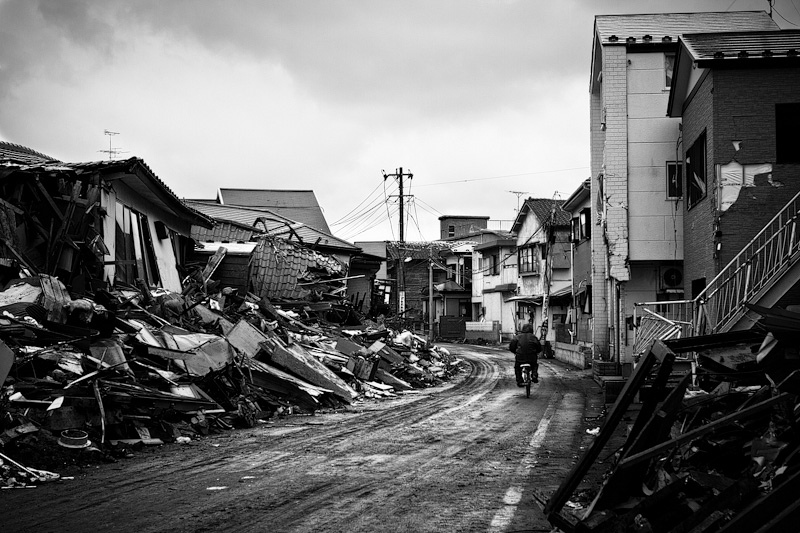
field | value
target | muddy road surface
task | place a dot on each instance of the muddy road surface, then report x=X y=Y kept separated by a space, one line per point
x=467 y=456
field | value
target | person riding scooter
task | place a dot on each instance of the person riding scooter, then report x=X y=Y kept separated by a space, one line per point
x=526 y=348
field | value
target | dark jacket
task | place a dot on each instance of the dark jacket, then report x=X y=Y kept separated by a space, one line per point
x=525 y=346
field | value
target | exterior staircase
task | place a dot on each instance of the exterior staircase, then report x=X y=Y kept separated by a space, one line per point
x=761 y=273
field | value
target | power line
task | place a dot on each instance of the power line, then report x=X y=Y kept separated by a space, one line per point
x=429 y=205
x=505 y=176
x=366 y=219
x=366 y=211
x=356 y=207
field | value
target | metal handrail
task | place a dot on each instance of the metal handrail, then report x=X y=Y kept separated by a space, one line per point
x=750 y=273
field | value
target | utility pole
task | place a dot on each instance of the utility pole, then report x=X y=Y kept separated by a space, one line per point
x=401 y=282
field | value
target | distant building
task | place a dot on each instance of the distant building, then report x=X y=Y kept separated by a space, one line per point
x=543 y=263
x=457 y=226
x=579 y=323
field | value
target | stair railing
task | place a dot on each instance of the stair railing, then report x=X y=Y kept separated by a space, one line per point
x=751 y=272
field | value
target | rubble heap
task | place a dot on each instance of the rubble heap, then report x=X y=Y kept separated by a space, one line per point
x=107 y=372
x=717 y=450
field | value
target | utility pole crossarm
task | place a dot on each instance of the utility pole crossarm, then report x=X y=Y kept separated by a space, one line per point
x=401 y=282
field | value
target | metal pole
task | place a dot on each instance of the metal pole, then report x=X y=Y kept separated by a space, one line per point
x=430 y=294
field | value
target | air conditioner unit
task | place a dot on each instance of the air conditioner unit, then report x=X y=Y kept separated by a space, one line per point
x=670 y=278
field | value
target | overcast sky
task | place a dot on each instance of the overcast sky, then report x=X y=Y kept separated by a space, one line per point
x=479 y=99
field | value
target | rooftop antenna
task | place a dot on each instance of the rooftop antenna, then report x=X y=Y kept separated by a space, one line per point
x=518 y=193
x=111 y=151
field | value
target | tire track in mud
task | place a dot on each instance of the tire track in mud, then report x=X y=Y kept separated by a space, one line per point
x=441 y=459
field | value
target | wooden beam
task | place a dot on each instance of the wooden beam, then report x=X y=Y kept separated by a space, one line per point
x=703 y=430
x=657 y=352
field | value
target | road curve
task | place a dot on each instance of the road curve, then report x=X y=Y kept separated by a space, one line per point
x=465 y=456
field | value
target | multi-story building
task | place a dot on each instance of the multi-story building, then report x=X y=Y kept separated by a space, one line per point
x=737 y=95
x=494 y=280
x=638 y=234
x=544 y=289
x=579 y=323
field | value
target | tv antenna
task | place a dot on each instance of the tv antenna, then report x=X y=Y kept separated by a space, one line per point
x=518 y=193
x=111 y=151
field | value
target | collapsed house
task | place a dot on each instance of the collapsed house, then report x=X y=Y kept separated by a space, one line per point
x=111 y=338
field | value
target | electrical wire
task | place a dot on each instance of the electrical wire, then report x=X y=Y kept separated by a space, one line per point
x=362 y=212
x=504 y=176
x=375 y=216
x=359 y=205
x=416 y=221
x=388 y=215
x=366 y=213
x=429 y=205
x=370 y=224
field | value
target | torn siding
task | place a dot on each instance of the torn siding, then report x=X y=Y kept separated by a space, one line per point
x=734 y=176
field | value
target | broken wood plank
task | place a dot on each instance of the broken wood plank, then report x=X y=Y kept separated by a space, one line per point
x=294 y=359
x=55 y=297
x=703 y=430
x=623 y=483
x=391 y=379
x=213 y=263
x=657 y=352
x=247 y=338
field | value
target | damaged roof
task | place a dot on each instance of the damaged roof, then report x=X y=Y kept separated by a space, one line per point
x=274 y=223
x=133 y=172
x=543 y=208
x=16 y=153
x=300 y=205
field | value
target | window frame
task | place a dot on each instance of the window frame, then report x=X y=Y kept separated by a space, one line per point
x=528 y=259
x=787 y=137
x=669 y=69
x=674 y=179
x=696 y=192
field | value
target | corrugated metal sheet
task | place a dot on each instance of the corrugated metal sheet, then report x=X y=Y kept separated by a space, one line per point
x=676 y=24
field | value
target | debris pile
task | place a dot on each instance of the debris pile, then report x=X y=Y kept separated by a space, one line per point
x=713 y=451
x=118 y=369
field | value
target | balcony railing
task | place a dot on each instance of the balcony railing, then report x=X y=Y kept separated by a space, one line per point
x=754 y=270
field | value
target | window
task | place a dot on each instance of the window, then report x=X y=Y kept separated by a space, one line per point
x=696 y=172
x=787 y=136
x=495 y=270
x=669 y=64
x=585 y=223
x=529 y=260
x=674 y=180
x=135 y=256
x=582 y=225
x=451 y=231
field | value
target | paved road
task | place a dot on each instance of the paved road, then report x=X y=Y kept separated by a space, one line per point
x=466 y=456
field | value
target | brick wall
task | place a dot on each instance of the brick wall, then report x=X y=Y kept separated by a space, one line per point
x=698 y=243
x=744 y=109
x=736 y=105
x=462 y=225
x=615 y=101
